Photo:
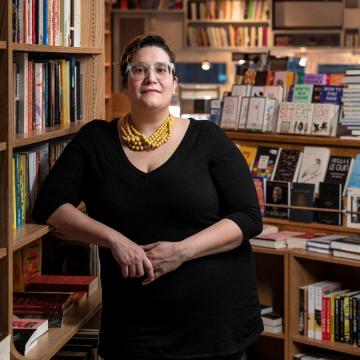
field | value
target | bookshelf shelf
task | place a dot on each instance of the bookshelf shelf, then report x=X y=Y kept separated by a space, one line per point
x=3 y=146
x=344 y=348
x=120 y=12
x=55 y=49
x=311 y=226
x=225 y=21
x=52 y=341
x=28 y=233
x=264 y=250
x=298 y=253
x=3 y=252
x=47 y=134
x=293 y=139
x=275 y=336
x=2 y=44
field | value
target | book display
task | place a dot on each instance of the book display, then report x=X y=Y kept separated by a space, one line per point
x=41 y=57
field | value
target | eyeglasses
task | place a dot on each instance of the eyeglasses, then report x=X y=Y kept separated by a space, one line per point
x=140 y=71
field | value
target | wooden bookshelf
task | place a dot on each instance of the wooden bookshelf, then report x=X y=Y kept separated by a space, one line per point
x=271 y=335
x=91 y=57
x=52 y=341
x=108 y=61
x=126 y=13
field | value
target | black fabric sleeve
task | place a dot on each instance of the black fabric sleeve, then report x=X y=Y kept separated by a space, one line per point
x=64 y=181
x=234 y=184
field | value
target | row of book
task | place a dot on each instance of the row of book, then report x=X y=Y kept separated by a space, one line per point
x=147 y=4
x=227 y=36
x=328 y=312
x=47 y=22
x=322 y=355
x=46 y=92
x=29 y=169
x=273 y=321
x=351 y=38
x=236 y=10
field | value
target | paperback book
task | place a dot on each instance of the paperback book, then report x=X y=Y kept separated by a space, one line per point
x=302 y=195
x=277 y=193
x=330 y=197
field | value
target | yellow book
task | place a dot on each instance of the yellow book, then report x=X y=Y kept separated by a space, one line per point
x=13 y=194
x=249 y=153
x=65 y=91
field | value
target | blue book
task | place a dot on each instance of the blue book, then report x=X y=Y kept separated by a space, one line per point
x=354 y=181
x=331 y=95
x=45 y=23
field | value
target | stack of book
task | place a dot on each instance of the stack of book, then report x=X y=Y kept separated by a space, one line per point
x=322 y=244
x=351 y=103
x=347 y=247
x=273 y=322
x=275 y=240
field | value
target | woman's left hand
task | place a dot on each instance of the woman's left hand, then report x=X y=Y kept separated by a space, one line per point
x=165 y=256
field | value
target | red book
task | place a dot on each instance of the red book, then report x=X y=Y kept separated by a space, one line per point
x=41 y=301
x=63 y=283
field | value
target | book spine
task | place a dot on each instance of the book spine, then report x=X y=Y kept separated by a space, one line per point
x=311 y=312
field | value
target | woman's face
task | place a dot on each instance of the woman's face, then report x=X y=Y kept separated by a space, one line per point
x=150 y=92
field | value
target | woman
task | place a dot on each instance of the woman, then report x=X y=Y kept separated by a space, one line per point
x=172 y=205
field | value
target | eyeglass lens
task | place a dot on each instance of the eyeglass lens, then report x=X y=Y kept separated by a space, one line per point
x=140 y=71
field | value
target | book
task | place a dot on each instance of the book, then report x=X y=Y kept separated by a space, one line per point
x=302 y=195
x=5 y=346
x=302 y=93
x=26 y=332
x=229 y=113
x=303 y=310
x=314 y=164
x=249 y=153
x=269 y=124
x=287 y=166
x=325 y=242
x=273 y=240
x=319 y=250
x=300 y=241
x=325 y=119
x=346 y=254
x=285 y=119
x=243 y=112
x=303 y=118
x=54 y=317
x=338 y=171
x=256 y=113
x=273 y=329
x=264 y=162
x=354 y=180
x=265 y=309
x=277 y=193
x=353 y=208
x=272 y=319
x=86 y=283
x=260 y=191
x=330 y=197
x=349 y=243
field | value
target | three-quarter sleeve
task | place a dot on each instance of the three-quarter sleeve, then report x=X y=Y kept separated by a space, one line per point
x=234 y=184
x=64 y=182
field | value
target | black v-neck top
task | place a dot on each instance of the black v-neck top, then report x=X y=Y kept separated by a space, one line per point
x=208 y=306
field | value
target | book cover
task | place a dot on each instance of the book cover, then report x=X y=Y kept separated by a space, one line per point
x=274 y=92
x=330 y=197
x=300 y=241
x=243 y=112
x=260 y=191
x=264 y=163
x=354 y=180
x=314 y=165
x=63 y=283
x=303 y=118
x=302 y=93
x=302 y=195
x=278 y=236
x=285 y=117
x=229 y=112
x=325 y=242
x=303 y=310
x=325 y=119
x=353 y=208
x=316 y=79
x=351 y=244
x=272 y=319
x=240 y=90
x=287 y=165
x=269 y=124
x=316 y=95
x=249 y=153
x=338 y=170
x=331 y=95
x=41 y=301
x=277 y=193
x=256 y=112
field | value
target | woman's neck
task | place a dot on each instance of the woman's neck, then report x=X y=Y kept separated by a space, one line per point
x=149 y=122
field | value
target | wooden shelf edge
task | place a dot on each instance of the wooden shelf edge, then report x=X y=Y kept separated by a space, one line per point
x=3 y=252
x=312 y=226
x=3 y=146
x=146 y=11
x=334 y=346
x=304 y=254
x=271 y=251
x=292 y=139
x=48 y=133
x=28 y=233
x=2 y=44
x=227 y=21
x=280 y=336
x=53 y=340
x=54 y=49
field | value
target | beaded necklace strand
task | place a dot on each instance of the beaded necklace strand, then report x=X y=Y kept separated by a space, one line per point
x=138 y=141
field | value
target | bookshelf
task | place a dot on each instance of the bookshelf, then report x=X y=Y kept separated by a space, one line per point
x=108 y=60
x=90 y=54
x=299 y=267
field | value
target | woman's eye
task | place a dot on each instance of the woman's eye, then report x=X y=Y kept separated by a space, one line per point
x=138 y=69
x=161 y=69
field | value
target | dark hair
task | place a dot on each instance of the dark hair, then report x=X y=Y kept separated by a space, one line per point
x=137 y=43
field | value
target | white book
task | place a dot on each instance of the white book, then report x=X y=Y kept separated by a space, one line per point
x=77 y=22
x=66 y=25
x=303 y=116
x=353 y=205
x=243 y=112
x=5 y=346
x=269 y=123
x=41 y=22
x=229 y=113
x=346 y=254
x=285 y=118
x=274 y=92
x=256 y=112
x=23 y=62
x=314 y=165
x=325 y=119
x=257 y=90
x=38 y=96
x=273 y=329
x=278 y=244
x=241 y=90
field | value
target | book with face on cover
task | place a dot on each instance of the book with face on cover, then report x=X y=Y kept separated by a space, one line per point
x=277 y=193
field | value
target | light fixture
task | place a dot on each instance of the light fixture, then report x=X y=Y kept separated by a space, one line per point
x=303 y=61
x=205 y=65
x=242 y=62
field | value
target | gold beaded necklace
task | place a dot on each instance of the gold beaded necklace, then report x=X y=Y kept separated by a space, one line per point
x=136 y=140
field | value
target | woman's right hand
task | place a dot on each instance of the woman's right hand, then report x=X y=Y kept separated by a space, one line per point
x=132 y=259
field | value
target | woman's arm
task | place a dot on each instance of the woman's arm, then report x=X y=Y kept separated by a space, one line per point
x=71 y=223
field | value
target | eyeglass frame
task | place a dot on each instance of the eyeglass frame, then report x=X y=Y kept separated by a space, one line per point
x=150 y=67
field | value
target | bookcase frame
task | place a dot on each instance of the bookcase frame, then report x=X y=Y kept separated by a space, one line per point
x=91 y=56
x=302 y=267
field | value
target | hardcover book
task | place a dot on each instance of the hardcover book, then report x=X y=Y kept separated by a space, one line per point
x=325 y=119
x=303 y=117
x=285 y=117
x=351 y=244
x=259 y=187
x=302 y=195
x=338 y=171
x=314 y=165
x=316 y=96
x=330 y=197
x=354 y=180
x=277 y=193
x=249 y=153
x=256 y=112
x=269 y=124
x=302 y=93
x=353 y=208
x=288 y=165
x=265 y=162
x=243 y=112
x=300 y=241
x=229 y=112
x=331 y=95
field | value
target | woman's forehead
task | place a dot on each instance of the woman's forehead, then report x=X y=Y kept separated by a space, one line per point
x=150 y=54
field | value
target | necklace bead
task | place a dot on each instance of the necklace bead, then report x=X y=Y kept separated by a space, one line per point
x=138 y=141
